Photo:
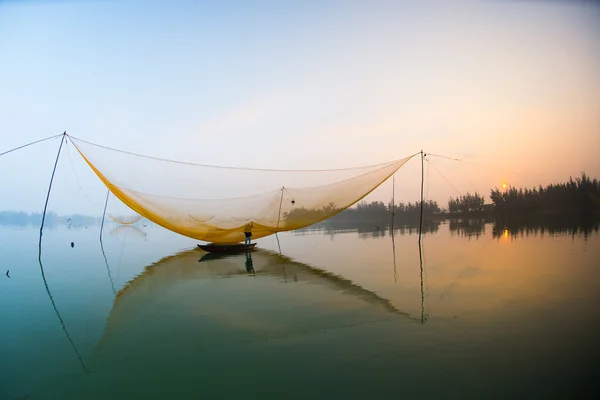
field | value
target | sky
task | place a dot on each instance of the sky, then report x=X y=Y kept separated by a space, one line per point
x=511 y=88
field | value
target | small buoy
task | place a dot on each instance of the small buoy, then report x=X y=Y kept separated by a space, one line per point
x=293 y=201
x=72 y=244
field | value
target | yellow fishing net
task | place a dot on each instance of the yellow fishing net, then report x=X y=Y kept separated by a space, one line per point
x=125 y=219
x=118 y=215
x=214 y=204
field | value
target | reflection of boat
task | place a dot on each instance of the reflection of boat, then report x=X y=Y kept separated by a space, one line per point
x=216 y=256
x=227 y=248
x=179 y=305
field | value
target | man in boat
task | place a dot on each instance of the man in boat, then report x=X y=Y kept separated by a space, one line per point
x=248 y=232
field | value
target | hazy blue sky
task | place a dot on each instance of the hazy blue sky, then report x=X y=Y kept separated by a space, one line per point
x=512 y=84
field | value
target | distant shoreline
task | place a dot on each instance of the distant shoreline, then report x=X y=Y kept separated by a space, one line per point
x=20 y=218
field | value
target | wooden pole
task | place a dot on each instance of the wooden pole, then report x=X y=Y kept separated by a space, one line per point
x=421 y=218
x=104 y=213
x=279 y=213
x=50 y=188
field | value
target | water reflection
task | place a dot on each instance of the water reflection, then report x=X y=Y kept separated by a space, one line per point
x=503 y=226
x=468 y=227
x=206 y=296
x=249 y=264
x=112 y=282
x=369 y=230
x=262 y=263
x=60 y=319
x=423 y=318
x=551 y=224
x=504 y=307
x=126 y=229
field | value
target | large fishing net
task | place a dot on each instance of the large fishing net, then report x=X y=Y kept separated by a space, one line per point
x=215 y=204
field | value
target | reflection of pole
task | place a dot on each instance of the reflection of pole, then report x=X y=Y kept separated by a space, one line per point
x=62 y=323
x=278 y=245
x=422 y=292
x=112 y=283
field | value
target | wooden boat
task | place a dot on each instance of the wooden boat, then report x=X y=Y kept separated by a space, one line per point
x=227 y=247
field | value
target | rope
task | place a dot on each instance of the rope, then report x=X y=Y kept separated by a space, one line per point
x=448 y=158
x=231 y=167
x=458 y=191
x=483 y=165
x=77 y=179
x=29 y=144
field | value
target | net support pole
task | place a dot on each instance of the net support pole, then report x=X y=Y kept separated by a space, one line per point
x=49 y=189
x=278 y=218
x=392 y=225
x=393 y=199
x=421 y=217
x=280 y=203
x=104 y=213
x=420 y=250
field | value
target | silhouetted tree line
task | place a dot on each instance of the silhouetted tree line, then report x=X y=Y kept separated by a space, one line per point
x=378 y=211
x=466 y=203
x=300 y=214
x=580 y=194
x=372 y=212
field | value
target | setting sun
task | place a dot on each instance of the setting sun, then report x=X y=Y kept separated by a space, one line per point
x=504 y=186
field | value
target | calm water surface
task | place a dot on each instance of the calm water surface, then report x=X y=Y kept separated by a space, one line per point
x=333 y=315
